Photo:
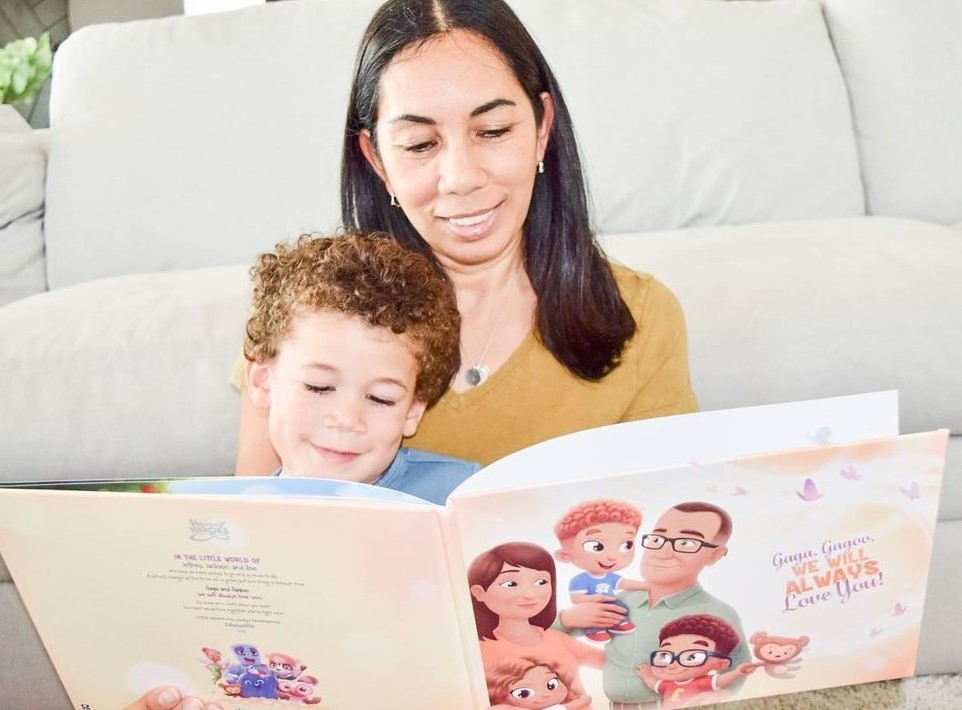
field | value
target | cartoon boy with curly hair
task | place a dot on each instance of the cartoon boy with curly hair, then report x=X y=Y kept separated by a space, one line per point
x=598 y=536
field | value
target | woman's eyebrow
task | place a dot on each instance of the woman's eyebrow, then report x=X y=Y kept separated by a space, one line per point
x=491 y=105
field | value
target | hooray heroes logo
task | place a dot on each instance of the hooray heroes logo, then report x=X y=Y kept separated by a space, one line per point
x=834 y=572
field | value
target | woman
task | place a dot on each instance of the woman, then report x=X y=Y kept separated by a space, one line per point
x=513 y=594
x=459 y=143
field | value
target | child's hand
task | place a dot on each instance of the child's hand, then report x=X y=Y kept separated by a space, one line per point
x=748 y=668
x=594 y=611
x=644 y=672
x=170 y=698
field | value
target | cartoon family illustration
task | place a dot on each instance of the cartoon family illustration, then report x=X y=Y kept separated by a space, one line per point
x=246 y=675
x=661 y=641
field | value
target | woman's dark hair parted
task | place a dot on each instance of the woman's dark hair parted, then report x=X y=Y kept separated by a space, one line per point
x=580 y=317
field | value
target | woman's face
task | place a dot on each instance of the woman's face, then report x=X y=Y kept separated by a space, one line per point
x=516 y=593
x=458 y=145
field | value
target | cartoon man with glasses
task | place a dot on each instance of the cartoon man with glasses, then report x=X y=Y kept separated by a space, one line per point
x=693 y=658
x=684 y=540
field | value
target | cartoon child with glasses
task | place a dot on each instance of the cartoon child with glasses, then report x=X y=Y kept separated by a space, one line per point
x=692 y=659
x=685 y=539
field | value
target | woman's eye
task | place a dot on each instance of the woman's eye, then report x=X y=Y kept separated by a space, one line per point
x=318 y=389
x=422 y=147
x=494 y=132
x=508 y=583
x=522 y=693
x=381 y=401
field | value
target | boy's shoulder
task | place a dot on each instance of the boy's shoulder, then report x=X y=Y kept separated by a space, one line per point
x=427 y=474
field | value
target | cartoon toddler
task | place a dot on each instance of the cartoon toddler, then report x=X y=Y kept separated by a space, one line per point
x=692 y=659
x=526 y=682
x=598 y=536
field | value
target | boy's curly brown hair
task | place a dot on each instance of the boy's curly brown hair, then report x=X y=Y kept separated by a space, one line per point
x=369 y=276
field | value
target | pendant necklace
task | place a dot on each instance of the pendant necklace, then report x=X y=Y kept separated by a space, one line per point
x=479 y=372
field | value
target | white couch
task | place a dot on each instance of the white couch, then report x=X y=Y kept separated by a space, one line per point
x=792 y=169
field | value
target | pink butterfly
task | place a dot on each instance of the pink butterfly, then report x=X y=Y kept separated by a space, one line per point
x=874 y=631
x=912 y=492
x=851 y=473
x=809 y=492
x=899 y=609
x=739 y=491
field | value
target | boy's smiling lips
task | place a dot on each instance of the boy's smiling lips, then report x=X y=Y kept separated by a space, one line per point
x=335 y=455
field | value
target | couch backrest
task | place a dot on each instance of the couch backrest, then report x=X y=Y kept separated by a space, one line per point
x=902 y=61
x=199 y=141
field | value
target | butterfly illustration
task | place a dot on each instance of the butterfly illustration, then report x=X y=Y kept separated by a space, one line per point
x=899 y=609
x=739 y=491
x=912 y=492
x=809 y=492
x=874 y=631
x=851 y=473
x=822 y=436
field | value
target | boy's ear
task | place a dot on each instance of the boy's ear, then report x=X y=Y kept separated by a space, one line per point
x=413 y=418
x=366 y=144
x=259 y=384
x=562 y=556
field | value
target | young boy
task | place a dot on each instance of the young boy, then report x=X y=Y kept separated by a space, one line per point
x=598 y=536
x=693 y=658
x=351 y=338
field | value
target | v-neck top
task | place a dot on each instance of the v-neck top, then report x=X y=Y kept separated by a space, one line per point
x=532 y=397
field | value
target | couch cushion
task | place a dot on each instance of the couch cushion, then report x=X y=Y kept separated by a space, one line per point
x=123 y=377
x=903 y=62
x=197 y=141
x=801 y=310
x=699 y=112
x=23 y=167
x=176 y=145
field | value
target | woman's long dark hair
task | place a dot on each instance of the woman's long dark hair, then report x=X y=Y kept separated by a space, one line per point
x=580 y=317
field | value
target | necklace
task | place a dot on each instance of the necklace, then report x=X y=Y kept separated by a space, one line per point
x=479 y=372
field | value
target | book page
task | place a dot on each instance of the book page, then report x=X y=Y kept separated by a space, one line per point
x=821 y=575
x=244 y=600
x=685 y=438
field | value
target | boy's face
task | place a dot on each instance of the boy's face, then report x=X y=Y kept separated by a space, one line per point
x=681 y=645
x=600 y=548
x=340 y=395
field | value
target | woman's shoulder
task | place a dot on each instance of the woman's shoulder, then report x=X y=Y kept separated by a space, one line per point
x=641 y=291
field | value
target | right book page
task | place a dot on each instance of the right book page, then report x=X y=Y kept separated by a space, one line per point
x=800 y=565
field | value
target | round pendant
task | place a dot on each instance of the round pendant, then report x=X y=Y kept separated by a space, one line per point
x=476 y=374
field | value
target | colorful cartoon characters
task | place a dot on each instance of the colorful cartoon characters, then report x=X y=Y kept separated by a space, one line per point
x=300 y=689
x=526 y=682
x=285 y=666
x=214 y=662
x=598 y=536
x=245 y=655
x=692 y=659
x=778 y=654
x=258 y=681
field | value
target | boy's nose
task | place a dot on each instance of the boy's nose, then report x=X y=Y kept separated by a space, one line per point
x=346 y=418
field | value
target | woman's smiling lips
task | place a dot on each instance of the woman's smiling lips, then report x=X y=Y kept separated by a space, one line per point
x=472 y=225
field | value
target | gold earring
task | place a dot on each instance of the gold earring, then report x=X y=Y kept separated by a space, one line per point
x=393 y=200
x=540 y=166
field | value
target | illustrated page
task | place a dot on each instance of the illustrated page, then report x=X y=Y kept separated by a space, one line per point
x=727 y=580
x=250 y=601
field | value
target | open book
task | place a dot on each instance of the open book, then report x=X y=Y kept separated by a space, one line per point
x=349 y=596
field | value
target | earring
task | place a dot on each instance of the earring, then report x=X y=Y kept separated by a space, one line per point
x=540 y=166
x=393 y=200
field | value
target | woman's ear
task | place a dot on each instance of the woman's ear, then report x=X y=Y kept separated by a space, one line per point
x=366 y=143
x=547 y=121
x=413 y=419
x=259 y=384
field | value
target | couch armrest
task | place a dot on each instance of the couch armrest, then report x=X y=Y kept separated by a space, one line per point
x=23 y=169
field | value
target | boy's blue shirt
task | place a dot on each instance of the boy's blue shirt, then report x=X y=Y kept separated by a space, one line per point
x=424 y=474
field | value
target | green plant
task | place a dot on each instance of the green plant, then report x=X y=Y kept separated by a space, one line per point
x=25 y=65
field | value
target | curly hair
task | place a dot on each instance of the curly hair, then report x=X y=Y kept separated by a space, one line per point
x=366 y=275
x=592 y=512
x=711 y=627
x=501 y=676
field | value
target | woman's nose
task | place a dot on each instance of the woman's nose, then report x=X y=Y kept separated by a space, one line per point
x=459 y=169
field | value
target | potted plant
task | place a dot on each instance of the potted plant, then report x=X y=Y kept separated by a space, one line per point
x=25 y=65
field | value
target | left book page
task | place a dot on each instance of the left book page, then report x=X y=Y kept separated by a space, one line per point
x=224 y=595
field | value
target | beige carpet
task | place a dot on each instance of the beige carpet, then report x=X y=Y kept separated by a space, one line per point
x=932 y=692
